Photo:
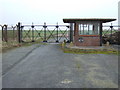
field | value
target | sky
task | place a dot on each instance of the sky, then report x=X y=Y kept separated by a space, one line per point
x=53 y=11
x=119 y=13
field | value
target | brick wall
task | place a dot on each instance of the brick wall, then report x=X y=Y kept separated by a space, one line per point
x=87 y=40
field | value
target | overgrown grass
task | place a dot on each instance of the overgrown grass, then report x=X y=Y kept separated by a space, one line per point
x=6 y=46
x=90 y=51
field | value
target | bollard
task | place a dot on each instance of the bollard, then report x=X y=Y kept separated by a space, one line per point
x=107 y=43
x=63 y=44
x=71 y=44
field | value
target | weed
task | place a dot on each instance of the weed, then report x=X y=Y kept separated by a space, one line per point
x=89 y=51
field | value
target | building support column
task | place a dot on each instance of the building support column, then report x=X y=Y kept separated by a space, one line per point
x=76 y=33
x=71 y=32
x=100 y=34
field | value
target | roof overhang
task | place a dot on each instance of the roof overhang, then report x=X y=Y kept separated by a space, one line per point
x=73 y=20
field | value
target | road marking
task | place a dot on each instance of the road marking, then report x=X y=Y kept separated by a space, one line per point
x=66 y=81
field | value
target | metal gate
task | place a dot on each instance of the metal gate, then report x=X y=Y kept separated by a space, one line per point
x=51 y=33
x=44 y=33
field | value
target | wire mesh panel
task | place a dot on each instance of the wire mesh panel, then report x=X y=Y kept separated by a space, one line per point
x=63 y=33
x=0 y=34
x=44 y=33
x=4 y=33
x=12 y=33
x=31 y=33
x=111 y=34
x=109 y=30
x=9 y=33
x=57 y=33
x=9 y=36
x=25 y=33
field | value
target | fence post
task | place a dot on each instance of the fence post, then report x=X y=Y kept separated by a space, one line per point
x=111 y=29
x=45 y=32
x=57 y=32
x=6 y=38
x=2 y=33
x=19 y=36
x=33 y=32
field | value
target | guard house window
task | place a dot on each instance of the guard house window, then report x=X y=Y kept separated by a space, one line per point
x=88 y=29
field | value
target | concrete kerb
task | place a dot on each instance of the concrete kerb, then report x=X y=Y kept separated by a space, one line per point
x=104 y=48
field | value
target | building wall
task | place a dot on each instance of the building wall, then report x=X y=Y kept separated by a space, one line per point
x=119 y=14
x=88 y=41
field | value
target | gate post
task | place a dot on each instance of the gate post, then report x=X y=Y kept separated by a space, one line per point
x=19 y=36
x=57 y=32
x=111 y=27
x=44 y=32
x=2 y=33
x=32 y=33
x=22 y=33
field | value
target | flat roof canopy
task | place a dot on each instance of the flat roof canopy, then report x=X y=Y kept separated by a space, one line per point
x=73 y=20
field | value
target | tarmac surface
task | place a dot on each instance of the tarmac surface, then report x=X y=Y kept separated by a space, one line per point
x=46 y=66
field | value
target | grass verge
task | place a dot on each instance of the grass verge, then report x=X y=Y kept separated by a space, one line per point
x=90 y=51
x=6 y=46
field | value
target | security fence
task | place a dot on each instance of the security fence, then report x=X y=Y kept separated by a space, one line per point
x=50 y=33
x=9 y=33
x=111 y=34
x=44 y=33
x=31 y=33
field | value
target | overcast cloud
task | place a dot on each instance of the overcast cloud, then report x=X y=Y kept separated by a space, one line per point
x=52 y=11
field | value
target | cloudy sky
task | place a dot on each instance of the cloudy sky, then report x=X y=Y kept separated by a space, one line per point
x=53 y=11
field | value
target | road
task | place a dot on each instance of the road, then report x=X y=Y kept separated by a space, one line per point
x=48 y=67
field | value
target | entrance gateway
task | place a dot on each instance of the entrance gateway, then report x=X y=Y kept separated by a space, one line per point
x=86 y=31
